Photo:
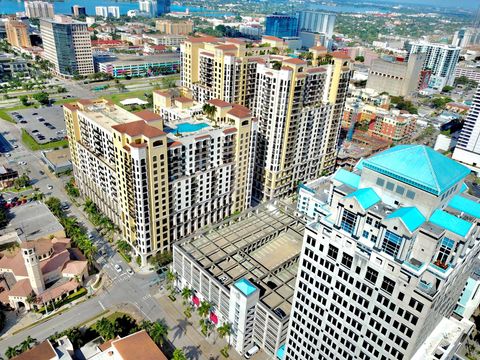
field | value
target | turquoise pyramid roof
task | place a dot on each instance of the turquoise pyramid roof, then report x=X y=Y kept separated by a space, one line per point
x=245 y=286
x=419 y=166
x=366 y=197
x=411 y=217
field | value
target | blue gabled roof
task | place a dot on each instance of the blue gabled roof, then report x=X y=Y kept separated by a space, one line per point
x=366 y=197
x=465 y=205
x=450 y=222
x=245 y=286
x=411 y=217
x=419 y=166
x=348 y=178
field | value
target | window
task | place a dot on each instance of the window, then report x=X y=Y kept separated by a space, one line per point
x=369 y=220
x=410 y=194
x=400 y=190
x=380 y=182
x=349 y=220
x=371 y=275
x=365 y=234
x=445 y=249
x=388 y=285
x=347 y=260
x=332 y=252
x=390 y=186
x=391 y=243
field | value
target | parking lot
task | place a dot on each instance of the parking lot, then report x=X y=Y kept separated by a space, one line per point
x=44 y=125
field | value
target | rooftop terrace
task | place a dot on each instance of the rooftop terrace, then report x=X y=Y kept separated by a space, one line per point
x=262 y=246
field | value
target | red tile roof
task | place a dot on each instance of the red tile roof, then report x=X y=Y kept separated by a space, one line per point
x=235 y=41
x=55 y=262
x=174 y=144
x=240 y=111
x=226 y=47
x=71 y=107
x=21 y=288
x=183 y=99
x=203 y=137
x=274 y=38
x=340 y=55
x=57 y=291
x=295 y=61
x=219 y=103
x=74 y=267
x=200 y=39
x=148 y=115
x=42 y=351
x=316 y=69
x=138 y=146
x=136 y=128
x=163 y=93
x=229 y=130
x=138 y=346
x=318 y=48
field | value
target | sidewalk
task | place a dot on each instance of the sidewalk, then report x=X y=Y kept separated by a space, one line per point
x=185 y=333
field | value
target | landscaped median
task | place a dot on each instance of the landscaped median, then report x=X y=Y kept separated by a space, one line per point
x=72 y=297
x=30 y=142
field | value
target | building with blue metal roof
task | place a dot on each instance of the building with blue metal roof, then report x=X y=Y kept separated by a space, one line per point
x=387 y=257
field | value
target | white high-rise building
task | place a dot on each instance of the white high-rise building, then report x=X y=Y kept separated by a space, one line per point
x=39 y=9
x=148 y=7
x=101 y=11
x=466 y=37
x=317 y=22
x=385 y=258
x=467 y=150
x=67 y=45
x=113 y=11
x=441 y=61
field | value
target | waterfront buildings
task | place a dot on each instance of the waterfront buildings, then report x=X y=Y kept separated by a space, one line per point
x=154 y=8
x=159 y=180
x=107 y=11
x=281 y=25
x=245 y=267
x=398 y=77
x=316 y=22
x=17 y=34
x=67 y=46
x=298 y=106
x=385 y=257
x=467 y=150
x=78 y=10
x=39 y=9
x=441 y=60
x=170 y=27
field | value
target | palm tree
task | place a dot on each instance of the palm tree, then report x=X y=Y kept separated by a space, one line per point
x=158 y=332
x=31 y=298
x=89 y=250
x=224 y=330
x=204 y=309
x=105 y=328
x=27 y=343
x=186 y=294
x=209 y=110
x=11 y=352
x=171 y=279
x=178 y=354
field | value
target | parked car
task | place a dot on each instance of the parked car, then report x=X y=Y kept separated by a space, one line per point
x=118 y=268
x=49 y=187
x=252 y=352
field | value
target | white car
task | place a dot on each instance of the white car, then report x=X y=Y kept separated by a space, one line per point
x=49 y=187
x=130 y=272
x=118 y=268
x=251 y=352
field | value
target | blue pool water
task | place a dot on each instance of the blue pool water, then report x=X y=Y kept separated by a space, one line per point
x=186 y=127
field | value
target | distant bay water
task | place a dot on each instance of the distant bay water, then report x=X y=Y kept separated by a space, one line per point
x=64 y=7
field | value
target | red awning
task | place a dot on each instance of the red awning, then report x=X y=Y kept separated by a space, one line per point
x=196 y=300
x=213 y=318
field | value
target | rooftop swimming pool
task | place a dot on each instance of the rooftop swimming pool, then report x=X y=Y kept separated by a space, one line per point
x=186 y=127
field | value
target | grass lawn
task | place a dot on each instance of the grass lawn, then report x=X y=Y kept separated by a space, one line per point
x=30 y=142
x=4 y=113
x=116 y=98
x=117 y=314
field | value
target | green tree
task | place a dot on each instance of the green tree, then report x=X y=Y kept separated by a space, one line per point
x=204 y=309
x=186 y=294
x=24 y=100
x=11 y=352
x=105 y=328
x=42 y=98
x=209 y=110
x=123 y=246
x=178 y=354
x=161 y=259
x=360 y=58
x=27 y=343
x=55 y=206
x=22 y=182
x=447 y=88
x=158 y=332
x=3 y=217
x=440 y=102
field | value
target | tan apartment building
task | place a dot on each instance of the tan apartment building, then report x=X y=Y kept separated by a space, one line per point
x=17 y=34
x=160 y=180
x=170 y=27
x=298 y=104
